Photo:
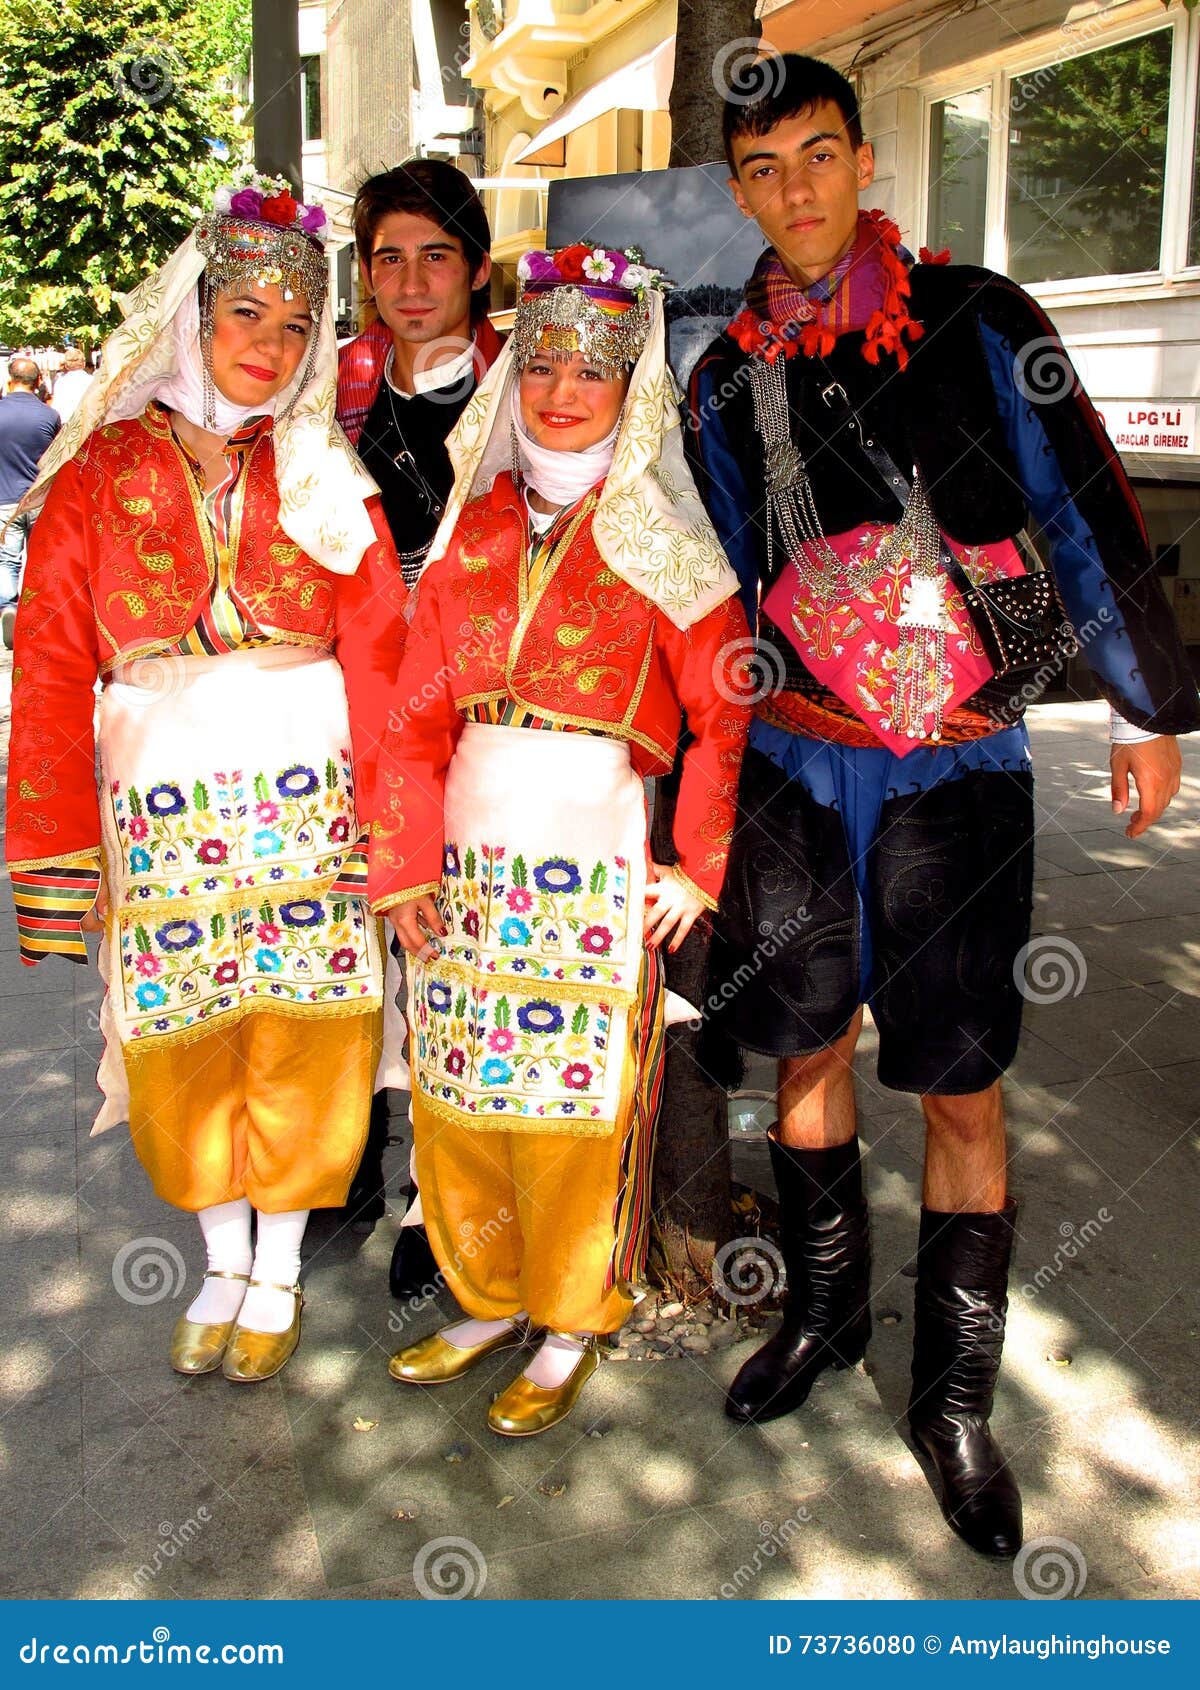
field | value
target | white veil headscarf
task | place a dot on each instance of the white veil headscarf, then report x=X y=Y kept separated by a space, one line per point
x=650 y=526
x=154 y=354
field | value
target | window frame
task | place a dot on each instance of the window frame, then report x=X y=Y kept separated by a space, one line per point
x=999 y=72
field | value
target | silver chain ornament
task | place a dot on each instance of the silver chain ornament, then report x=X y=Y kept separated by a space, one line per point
x=922 y=679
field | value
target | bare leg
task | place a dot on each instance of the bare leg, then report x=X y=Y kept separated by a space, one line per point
x=965 y=1153
x=816 y=1095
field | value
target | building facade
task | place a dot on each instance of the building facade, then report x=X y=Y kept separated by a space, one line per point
x=570 y=88
x=1056 y=142
x=382 y=81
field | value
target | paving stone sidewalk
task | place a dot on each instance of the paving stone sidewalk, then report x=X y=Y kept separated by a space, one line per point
x=118 y=1478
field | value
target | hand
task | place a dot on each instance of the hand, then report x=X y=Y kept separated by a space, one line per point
x=416 y=921
x=671 y=907
x=1156 y=767
x=93 y=921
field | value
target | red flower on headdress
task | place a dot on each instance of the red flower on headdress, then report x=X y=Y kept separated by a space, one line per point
x=280 y=208
x=569 y=261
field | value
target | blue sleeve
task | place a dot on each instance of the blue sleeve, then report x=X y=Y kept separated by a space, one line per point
x=1076 y=556
x=722 y=484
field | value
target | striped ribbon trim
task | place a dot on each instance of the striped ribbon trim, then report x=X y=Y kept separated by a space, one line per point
x=632 y=1208
x=50 y=904
x=352 y=880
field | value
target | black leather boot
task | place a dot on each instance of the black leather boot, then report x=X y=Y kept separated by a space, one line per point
x=826 y=1251
x=414 y=1271
x=961 y=1301
x=365 y=1202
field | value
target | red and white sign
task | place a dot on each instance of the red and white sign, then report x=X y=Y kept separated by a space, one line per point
x=1144 y=425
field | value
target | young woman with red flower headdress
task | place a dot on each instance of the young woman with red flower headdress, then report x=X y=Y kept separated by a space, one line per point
x=575 y=603
x=211 y=551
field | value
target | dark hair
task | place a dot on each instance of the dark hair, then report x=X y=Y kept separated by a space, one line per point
x=427 y=187
x=770 y=90
x=23 y=372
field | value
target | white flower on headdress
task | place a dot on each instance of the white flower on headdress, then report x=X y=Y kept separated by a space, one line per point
x=598 y=266
x=637 y=276
x=523 y=270
x=222 y=200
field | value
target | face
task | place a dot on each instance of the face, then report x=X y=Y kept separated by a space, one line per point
x=259 y=341
x=421 y=280
x=569 y=407
x=800 y=182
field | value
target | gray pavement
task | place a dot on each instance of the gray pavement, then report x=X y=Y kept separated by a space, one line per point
x=118 y=1478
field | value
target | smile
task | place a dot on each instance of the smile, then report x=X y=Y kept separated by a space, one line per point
x=257 y=374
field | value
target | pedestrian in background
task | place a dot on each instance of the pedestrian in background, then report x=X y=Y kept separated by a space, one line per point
x=27 y=426
x=71 y=382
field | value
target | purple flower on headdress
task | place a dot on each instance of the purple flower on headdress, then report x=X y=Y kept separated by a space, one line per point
x=313 y=220
x=247 y=202
x=538 y=267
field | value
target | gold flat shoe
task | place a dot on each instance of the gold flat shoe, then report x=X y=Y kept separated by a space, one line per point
x=434 y=1361
x=525 y=1408
x=252 y=1356
x=198 y=1346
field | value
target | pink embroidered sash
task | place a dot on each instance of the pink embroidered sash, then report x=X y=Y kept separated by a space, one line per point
x=851 y=644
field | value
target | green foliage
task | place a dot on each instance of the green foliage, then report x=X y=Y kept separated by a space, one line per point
x=106 y=117
x=1097 y=125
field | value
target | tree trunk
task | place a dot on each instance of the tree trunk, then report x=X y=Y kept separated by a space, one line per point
x=692 y=1192
x=712 y=38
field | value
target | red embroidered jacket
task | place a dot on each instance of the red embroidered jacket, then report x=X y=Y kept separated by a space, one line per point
x=577 y=648
x=120 y=565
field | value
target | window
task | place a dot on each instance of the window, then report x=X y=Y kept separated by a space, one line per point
x=1081 y=166
x=1087 y=153
x=959 y=131
x=310 y=97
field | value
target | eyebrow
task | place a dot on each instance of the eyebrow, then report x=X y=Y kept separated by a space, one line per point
x=425 y=246
x=813 y=141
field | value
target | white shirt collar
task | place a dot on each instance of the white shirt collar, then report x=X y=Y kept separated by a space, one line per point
x=428 y=381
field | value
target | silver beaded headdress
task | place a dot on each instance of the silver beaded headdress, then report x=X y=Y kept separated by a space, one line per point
x=258 y=235
x=587 y=300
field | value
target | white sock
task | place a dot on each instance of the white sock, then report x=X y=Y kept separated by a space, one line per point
x=226 y=1229
x=555 y=1361
x=465 y=1334
x=276 y=1261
